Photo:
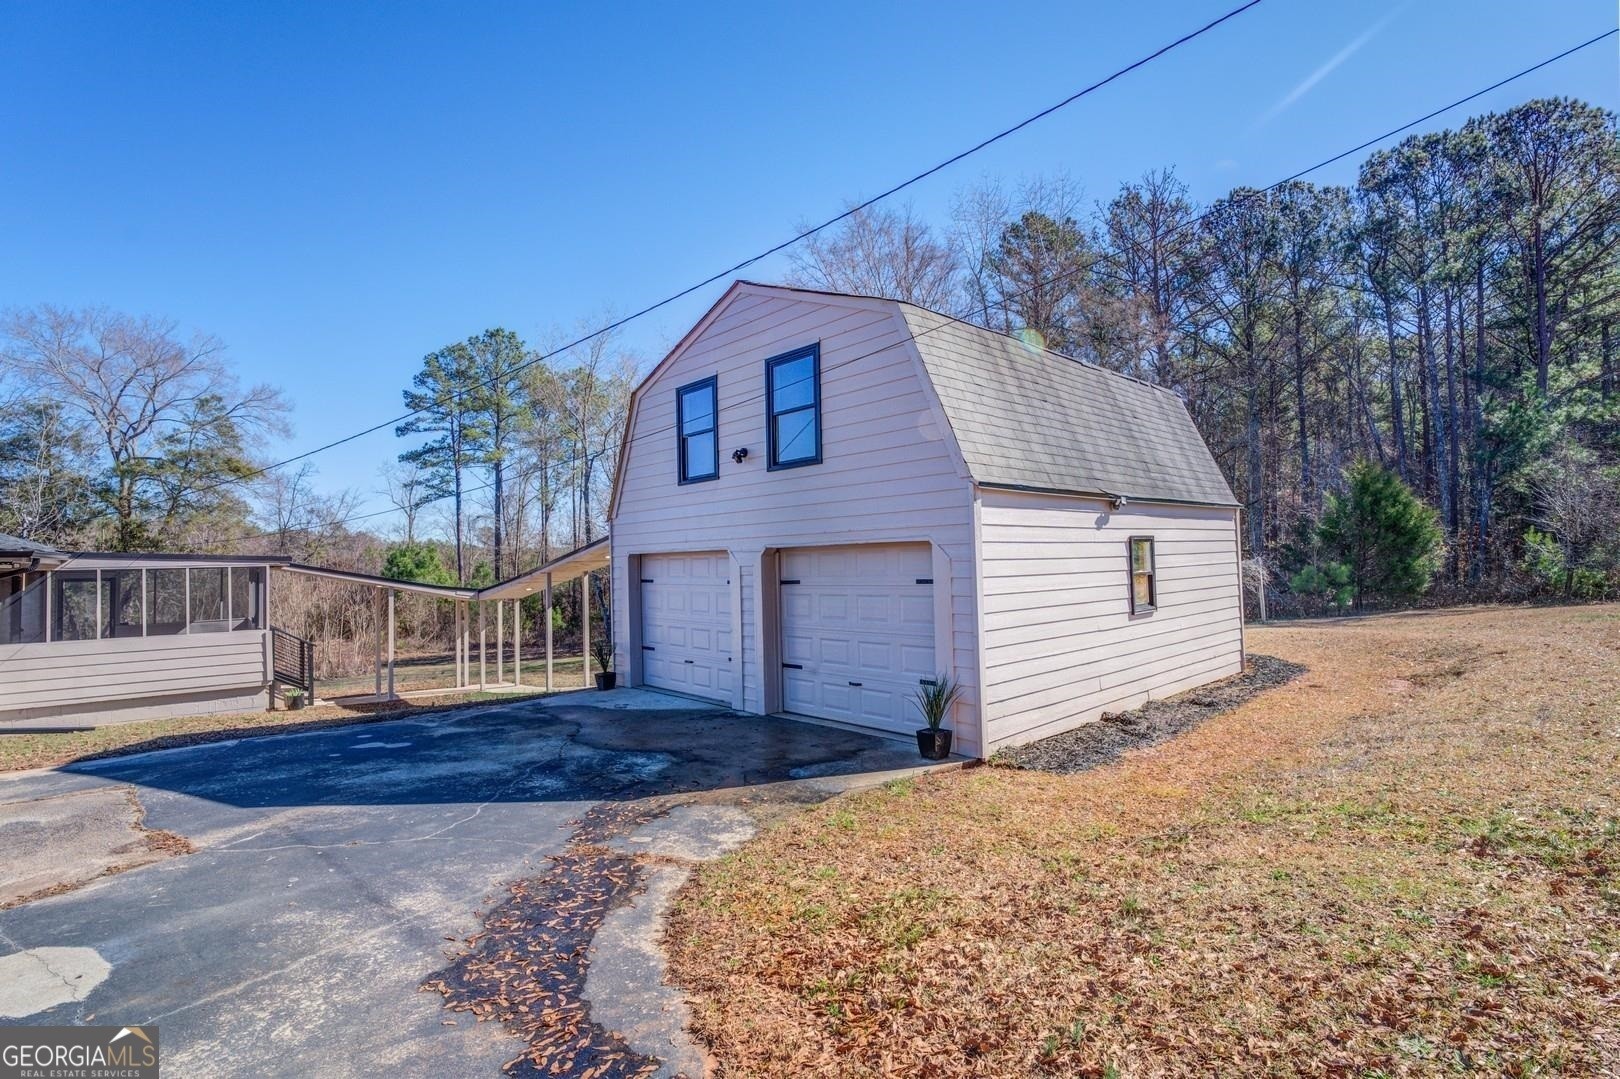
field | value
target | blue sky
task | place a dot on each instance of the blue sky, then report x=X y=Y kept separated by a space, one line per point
x=336 y=189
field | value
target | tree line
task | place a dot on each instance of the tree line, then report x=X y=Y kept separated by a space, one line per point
x=1453 y=317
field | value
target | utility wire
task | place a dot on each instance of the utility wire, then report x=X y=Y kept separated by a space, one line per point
x=806 y=234
x=947 y=320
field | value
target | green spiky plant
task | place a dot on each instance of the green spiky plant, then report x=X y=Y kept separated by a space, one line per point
x=935 y=699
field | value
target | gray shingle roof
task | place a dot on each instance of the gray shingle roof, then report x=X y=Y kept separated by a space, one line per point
x=1027 y=417
x=14 y=545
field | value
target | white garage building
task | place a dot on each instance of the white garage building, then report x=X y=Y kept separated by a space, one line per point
x=825 y=499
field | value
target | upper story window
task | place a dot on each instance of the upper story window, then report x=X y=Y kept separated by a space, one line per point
x=699 y=446
x=1144 y=588
x=793 y=412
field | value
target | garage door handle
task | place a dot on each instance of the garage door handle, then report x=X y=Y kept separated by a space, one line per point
x=794 y=666
x=857 y=685
x=648 y=648
x=791 y=582
x=687 y=661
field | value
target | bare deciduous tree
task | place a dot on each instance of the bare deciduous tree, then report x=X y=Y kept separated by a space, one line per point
x=169 y=421
x=880 y=252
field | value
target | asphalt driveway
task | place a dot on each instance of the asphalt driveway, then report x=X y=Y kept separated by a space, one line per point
x=331 y=872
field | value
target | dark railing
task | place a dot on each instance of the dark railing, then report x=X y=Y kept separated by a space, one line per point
x=293 y=661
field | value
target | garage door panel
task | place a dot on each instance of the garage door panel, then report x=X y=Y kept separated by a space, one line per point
x=916 y=662
x=686 y=623
x=861 y=627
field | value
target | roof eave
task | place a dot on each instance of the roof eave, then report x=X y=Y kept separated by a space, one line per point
x=1109 y=496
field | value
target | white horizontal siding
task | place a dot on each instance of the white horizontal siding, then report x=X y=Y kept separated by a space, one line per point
x=67 y=674
x=1060 y=646
x=888 y=473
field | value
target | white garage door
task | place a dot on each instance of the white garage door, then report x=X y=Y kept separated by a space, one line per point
x=857 y=632
x=686 y=623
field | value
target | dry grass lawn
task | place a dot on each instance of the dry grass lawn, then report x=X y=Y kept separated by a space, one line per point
x=1406 y=862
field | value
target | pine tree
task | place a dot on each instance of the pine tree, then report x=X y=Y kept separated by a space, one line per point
x=1387 y=536
x=448 y=400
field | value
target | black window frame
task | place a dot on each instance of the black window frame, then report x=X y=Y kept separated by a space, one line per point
x=682 y=476
x=1152 y=575
x=814 y=352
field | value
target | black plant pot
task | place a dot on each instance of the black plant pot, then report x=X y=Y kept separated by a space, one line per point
x=606 y=680
x=934 y=745
x=296 y=704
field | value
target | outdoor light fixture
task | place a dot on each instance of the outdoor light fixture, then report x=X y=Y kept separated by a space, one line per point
x=1118 y=501
x=740 y=454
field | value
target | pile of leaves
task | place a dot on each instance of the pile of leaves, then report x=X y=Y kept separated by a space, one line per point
x=1106 y=741
x=1405 y=861
x=526 y=967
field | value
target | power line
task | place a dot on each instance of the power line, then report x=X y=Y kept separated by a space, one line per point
x=948 y=319
x=806 y=234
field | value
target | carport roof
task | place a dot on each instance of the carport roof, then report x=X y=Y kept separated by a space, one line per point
x=581 y=560
x=355 y=577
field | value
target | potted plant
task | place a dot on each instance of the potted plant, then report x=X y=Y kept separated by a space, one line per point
x=603 y=651
x=935 y=700
x=294 y=699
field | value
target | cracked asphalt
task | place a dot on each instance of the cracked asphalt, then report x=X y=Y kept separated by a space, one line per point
x=332 y=871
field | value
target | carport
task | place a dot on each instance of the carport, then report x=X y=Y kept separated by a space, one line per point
x=471 y=604
x=575 y=565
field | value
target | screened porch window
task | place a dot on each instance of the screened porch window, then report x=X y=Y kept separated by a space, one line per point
x=247 y=589
x=22 y=609
x=165 y=602
x=210 y=592
x=121 y=603
x=73 y=605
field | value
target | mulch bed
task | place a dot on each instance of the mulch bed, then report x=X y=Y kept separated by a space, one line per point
x=1104 y=742
x=526 y=968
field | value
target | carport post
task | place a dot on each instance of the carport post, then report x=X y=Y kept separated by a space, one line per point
x=585 y=625
x=376 y=668
x=500 y=641
x=517 y=642
x=391 y=592
x=549 y=658
x=483 y=646
x=462 y=638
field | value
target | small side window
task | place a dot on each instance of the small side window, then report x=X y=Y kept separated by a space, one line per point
x=1144 y=589
x=698 y=444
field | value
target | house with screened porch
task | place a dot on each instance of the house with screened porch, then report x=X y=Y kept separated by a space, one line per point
x=91 y=637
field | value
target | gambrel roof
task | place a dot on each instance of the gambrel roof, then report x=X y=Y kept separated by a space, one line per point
x=1027 y=417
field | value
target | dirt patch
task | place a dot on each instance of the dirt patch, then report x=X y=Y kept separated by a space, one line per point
x=23 y=749
x=526 y=968
x=1109 y=739
x=57 y=845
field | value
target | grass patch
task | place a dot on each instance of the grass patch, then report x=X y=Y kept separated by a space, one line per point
x=1406 y=862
